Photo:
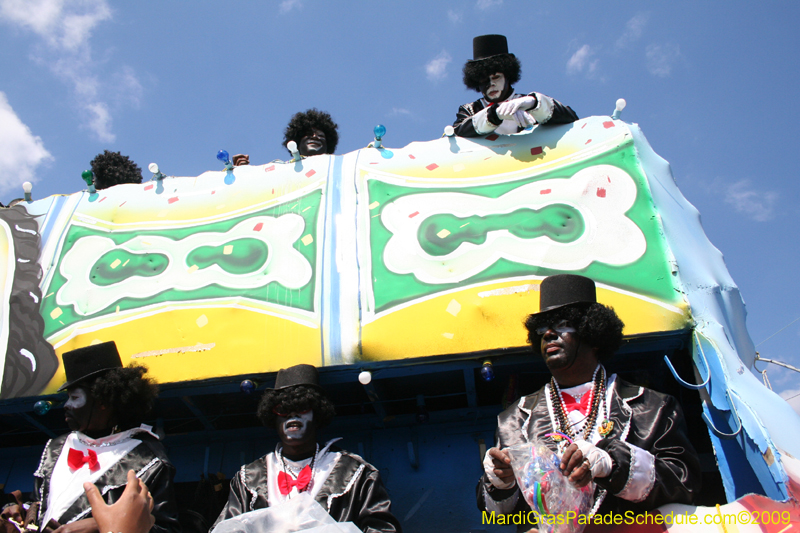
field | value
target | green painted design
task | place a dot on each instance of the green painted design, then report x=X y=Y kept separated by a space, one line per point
x=246 y=256
x=309 y=207
x=562 y=223
x=650 y=275
x=119 y=265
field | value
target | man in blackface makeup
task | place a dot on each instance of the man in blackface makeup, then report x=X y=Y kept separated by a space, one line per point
x=105 y=408
x=341 y=482
x=630 y=440
x=493 y=71
x=313 y=130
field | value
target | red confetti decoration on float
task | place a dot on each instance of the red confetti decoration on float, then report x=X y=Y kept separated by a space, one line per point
x=432 y=166
x=587 y=142
x=269 y=168
x=608 y=124
x=310 y=173
x=103 y=198
x=545 y=191
x=601 y=192
x=213 y=192
x=412 y=215
x=536 y=150
x=148 y=187
x=492 y=137
x=411 y=156
x=258 y=226
x=123 y=203
x=173 y=199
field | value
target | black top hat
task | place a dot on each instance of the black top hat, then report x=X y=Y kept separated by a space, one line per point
x=565 y=289
x=298 y=375
x=485 y=46
x=89 y=361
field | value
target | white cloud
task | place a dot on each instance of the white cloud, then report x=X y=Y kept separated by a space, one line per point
x=436 y=68
x=583 y=60
x=288 y=5
x=633 y=30
x=455 y=16
x=661 y=58
x=65 y=27
x=21 y=152
x=99 y=122
x=397 y=111
x=754 y=204
x=63 y=24
x=487 y=4
x=792 y=397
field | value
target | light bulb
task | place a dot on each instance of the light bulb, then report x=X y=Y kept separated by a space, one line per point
x=153 y=168
x=449 y=130
x=292 y=147
x=621 y=103
x=27 y=187
x=223 y=156
x=379 y=131
x=365 y=377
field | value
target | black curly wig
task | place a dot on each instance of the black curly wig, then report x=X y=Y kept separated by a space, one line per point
x=113 y=168
x=476 y=73
x=595 y=324
x=127 y=392
x=296 y=399
x=302 y=123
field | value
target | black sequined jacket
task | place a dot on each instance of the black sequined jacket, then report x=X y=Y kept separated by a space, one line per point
x=148 y=459
x=353 y=492
x=668 y=471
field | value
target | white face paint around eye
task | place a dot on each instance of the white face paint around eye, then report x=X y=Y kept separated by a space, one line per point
x=77 y=398
x=296 y=426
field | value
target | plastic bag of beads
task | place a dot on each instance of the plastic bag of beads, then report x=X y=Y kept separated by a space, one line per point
x=556 y=502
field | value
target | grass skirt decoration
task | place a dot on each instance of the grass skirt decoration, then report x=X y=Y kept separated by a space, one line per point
x=556 y=502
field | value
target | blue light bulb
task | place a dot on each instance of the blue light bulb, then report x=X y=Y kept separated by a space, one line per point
x=380 y=131
x=248 y=386
x=223 y=156
x=487 y=371
x=42 y=407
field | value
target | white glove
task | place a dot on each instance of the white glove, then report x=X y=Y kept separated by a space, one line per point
x=508 y=108
x=524 y=119
x=599 y=460
x=488 y=467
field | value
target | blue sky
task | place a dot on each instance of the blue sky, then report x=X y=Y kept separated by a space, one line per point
x=713 y=86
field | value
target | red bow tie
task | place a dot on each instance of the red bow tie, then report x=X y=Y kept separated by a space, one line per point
x=571 y=405
x=286 y=482
x=76 y=459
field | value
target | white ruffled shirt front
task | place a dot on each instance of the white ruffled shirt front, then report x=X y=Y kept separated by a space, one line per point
x=66 y=485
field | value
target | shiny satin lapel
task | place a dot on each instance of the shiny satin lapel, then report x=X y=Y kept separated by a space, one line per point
x=48 y=463
x=620 y=411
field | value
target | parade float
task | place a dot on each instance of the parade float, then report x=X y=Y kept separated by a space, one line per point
x=404 y=274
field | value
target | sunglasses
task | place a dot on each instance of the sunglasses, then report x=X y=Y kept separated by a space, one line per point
x=279 y=411
x=563 y=326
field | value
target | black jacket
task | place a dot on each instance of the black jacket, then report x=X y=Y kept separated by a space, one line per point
x=353 y=492
x=148 y=459
x=465 y=127
x=642 y=417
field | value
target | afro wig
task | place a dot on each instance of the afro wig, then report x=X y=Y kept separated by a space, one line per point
x=302 y=123
x=595 y=324
x=295 y=399
x=476 y=73
x=127 y=392
x=113 y=168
